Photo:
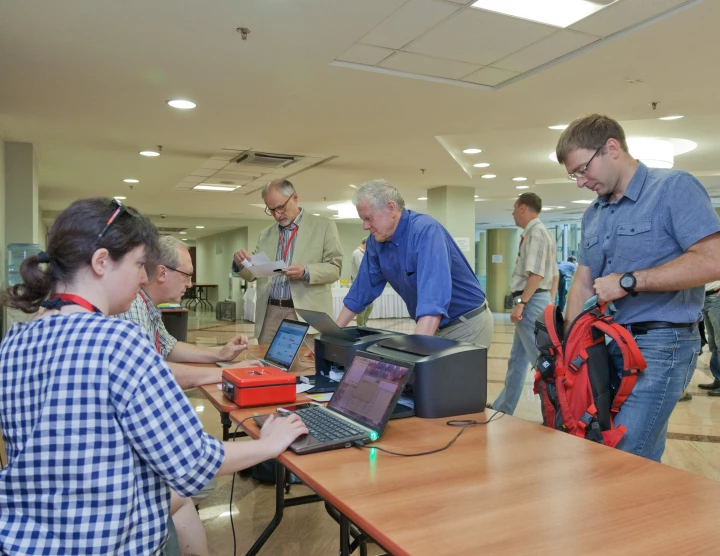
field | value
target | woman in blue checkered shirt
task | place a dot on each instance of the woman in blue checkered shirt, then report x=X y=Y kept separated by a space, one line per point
x=96 y=429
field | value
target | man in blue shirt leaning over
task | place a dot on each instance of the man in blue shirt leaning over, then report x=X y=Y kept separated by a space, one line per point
x=417 y=256
x=650 y=244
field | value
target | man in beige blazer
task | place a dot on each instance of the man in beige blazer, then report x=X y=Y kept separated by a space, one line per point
x=309 y=245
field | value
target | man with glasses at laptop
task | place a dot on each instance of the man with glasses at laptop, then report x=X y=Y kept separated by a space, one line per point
x=417 y=256
x=167 y=283
x=309 y=245
x=650 y=243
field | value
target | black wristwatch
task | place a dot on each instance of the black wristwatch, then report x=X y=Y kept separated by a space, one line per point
x=519 y=301
x=628 y=283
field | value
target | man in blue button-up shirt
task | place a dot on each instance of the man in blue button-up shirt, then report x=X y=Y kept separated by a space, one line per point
x=650 y=243
x=417 y=256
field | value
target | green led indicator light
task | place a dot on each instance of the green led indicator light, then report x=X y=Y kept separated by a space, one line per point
x=374 y=436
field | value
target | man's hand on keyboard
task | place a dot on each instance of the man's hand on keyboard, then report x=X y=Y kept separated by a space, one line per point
x=281 y=432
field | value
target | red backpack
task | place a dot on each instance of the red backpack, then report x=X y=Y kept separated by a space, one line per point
x=578 y=388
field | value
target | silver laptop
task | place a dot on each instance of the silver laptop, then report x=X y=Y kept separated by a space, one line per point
x=322 y=322
x=284 y=346
x=360 y=408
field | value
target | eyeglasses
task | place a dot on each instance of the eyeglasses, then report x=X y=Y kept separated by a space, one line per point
x=582 y=172
x=278 y=210
x=115 y=215
x=178 y=270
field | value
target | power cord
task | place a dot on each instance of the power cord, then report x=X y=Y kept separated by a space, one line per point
x=464 y=423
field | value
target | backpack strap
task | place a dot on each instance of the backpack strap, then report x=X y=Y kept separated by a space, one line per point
x=633 y=360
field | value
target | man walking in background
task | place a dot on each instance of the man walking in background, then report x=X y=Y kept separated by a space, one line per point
x=357 y=258
x=533 y=286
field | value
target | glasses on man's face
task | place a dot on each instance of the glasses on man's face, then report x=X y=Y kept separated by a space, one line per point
x=278 y=210
x=189 y=276
x=120 y=208
x=582 y=172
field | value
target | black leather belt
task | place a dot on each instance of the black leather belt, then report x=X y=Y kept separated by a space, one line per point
x=282 y=303
x=468 y=315
x=518 y=294
x=639 y=328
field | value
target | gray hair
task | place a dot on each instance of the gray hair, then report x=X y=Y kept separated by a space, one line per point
x=168 y=255
x=283 y=186
x=379 y=193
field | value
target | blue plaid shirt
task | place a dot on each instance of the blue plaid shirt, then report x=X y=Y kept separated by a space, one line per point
x=97 y=431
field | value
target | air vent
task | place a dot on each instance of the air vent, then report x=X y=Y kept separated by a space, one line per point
x=266 y=160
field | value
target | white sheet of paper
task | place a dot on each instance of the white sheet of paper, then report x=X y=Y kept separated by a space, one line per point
x=299 y=388
x=262 y=267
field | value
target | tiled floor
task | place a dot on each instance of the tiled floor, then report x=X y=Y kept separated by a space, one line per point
x=693 y=445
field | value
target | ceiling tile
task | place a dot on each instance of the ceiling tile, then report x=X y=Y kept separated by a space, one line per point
x=409 y=22
x=479 y=37
x=205 y=172
x=427 y=65
x=545 y=50
x=623 y=14
x=365 y=54
x=490 y=76
x=461 y=1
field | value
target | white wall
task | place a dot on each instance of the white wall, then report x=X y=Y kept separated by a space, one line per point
x=213 y=258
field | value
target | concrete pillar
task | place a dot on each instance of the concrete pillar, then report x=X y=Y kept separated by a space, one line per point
x=502 y=250
x=454 y=208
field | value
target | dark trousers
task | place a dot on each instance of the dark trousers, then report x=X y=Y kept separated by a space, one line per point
x=562 y=290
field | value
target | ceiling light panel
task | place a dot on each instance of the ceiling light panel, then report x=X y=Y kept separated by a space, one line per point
x=205 y=187
x=559 y=13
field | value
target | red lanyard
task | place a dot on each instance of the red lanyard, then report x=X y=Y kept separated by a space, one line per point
x=77 y=300
x=157 y=332
x=289 y=243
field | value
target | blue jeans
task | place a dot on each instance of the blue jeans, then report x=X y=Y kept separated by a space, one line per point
x=522 y=355
x=671 y=355
x=711 y=314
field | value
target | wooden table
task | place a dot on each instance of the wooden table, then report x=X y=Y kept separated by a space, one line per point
x=509 y=488
x=225 y=406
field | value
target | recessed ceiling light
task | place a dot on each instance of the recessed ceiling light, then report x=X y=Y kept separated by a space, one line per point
x=184 y=239
x=548 y=208
x=199 y=227
x=131 y=180
x=482 y=165
x=488 y=176
x=559 y=207
x=119 y=198
x=558 y=127
x=316 y=214
x=182 y=104
x=206 y=187
x=472 y=151
x=477 y=196
x=522 y=187
x=582 y=202
x=519 y=178
x=478 y=200
x=183 y=233
x=560 y=13
x=353 y=186
x=671 y=117
x=422 y=198
x=149 y=153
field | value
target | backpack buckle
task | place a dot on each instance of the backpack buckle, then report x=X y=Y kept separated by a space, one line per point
x=576 y=363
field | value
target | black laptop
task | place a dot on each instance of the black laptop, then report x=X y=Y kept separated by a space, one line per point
x=323 y=323
x=284 y=346
x=360 y=408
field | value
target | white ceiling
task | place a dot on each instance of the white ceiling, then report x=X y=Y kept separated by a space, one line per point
x=86 y=81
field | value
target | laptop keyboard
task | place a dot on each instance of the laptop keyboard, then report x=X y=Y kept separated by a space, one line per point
x=324 y=426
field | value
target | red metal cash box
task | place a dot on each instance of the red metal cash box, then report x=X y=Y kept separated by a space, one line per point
x=251 y=386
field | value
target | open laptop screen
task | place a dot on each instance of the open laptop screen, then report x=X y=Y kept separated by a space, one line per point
x=368 y=391
x=286 y=343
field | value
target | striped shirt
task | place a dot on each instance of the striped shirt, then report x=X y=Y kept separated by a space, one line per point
x=147 y=316
x=97 y=432
x=537 y=256
x=280 y=287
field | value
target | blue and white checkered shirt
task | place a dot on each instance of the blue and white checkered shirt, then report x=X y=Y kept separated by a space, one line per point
x=97 y=432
